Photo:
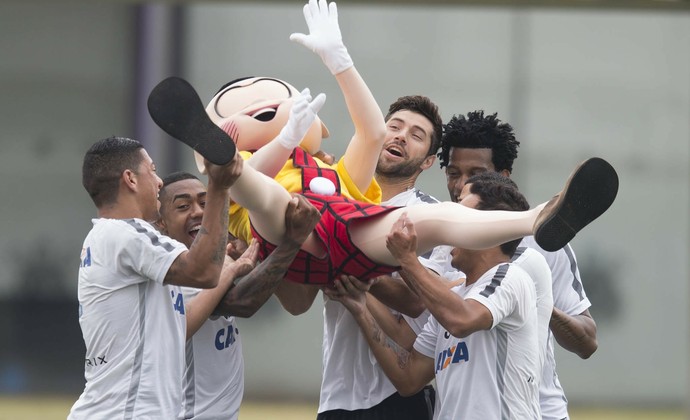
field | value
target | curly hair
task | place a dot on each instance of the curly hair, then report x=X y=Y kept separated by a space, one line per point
x=479 y=131
x=425 y=107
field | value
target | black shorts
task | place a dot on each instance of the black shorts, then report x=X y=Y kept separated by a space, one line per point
x=419 y=406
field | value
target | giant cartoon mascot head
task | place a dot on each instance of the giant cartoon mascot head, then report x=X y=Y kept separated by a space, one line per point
x=253 y=110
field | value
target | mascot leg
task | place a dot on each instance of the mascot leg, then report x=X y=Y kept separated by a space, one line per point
x=176 y=107
x=588 y=193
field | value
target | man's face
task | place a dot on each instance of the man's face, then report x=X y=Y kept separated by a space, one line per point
x=408 y=138
x=253 y=111
x=149 y=184
x=464 y=163
x=182 y=208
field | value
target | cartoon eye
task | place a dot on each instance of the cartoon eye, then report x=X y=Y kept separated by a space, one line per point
x=264 y=114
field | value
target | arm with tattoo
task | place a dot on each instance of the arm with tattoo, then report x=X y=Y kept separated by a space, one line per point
x=248 y=294
x=202 y=265
x=577 y=334
x=409 y=371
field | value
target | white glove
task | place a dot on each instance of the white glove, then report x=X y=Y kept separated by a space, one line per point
x=324 y=36
x=302 y=115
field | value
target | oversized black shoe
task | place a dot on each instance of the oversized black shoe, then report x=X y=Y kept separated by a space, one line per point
x=176 y=107
x=588 y=193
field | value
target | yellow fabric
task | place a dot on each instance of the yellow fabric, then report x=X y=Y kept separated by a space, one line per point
x=290 y=178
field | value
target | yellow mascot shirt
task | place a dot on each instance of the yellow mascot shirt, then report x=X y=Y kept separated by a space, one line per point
x=290 y=178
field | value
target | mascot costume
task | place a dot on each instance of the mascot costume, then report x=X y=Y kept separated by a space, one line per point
x=277 y=131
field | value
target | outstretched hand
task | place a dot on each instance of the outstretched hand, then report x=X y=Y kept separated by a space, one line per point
x=300 y=219
x=247 y=261
x=302 y=115
x=235 y=247
x=402 y=239
x=324 y=35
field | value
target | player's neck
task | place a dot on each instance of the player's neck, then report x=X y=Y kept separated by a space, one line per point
x=119 y=210
x=483 y=262
x=390 y=187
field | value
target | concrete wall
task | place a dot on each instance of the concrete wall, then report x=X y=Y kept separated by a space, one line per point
x=573 y=83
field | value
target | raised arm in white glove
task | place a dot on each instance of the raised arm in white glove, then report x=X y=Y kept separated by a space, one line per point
x=270 y=158
x=324 y=36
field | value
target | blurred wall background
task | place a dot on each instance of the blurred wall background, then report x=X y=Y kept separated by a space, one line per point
x=573 y=82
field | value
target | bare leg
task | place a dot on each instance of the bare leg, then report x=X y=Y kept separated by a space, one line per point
x=266 y=200
x=444 y=224
x=588 y=193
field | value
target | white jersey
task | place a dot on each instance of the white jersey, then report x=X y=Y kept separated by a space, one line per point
x=538 y=269
x=490 y=374
x=214 y=374
x=437 y=260
x=568 y=296
x=133 y=325
x=352 y=378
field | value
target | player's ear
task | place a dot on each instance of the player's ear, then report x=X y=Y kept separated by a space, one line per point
x=129 y=179
x=160 y=225
x=428 y=161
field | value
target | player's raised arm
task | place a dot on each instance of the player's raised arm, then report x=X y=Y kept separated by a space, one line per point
x=325 y=40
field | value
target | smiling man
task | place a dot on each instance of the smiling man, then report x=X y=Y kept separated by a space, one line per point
x=362 y=390
x=214 y=370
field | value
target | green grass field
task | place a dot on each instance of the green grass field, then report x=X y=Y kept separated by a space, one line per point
x=54 y=408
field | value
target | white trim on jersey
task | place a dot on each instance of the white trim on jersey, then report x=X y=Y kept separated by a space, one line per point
x=214 y=374
x=538 y=269
x=569 y=296
x=496 y=370
x=133 y=324
x=352 y=378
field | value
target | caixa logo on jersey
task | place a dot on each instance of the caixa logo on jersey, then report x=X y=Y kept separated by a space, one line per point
x=225 y=337
x=85 y=259
x=455 y=354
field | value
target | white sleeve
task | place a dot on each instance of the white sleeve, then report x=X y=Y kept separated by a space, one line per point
x=568 y=293
x=505 y=294
x=143 y=250
x=426 y=340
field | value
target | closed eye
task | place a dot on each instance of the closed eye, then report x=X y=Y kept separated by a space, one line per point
x=264 y=114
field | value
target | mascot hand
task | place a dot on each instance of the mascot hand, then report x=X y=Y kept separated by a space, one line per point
x=324 y=36
x=302 y=116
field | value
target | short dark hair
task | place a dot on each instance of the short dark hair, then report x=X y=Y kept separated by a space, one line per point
x=178 y=176
x=423 y=106
x=104 y=163
x=171 y=179
x=492 y=177
x=479 y=131
x=498 y=192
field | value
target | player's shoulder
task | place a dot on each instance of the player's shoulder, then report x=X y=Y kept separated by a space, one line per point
x=423 y=197
x=565 y=255
x=124 y=230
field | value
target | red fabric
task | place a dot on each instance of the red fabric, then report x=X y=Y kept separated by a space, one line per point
x=337 y=211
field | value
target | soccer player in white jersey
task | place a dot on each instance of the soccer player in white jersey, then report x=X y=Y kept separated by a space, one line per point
x=131 y=310
x=486 y=358
x=479 y=143
x=437 y=299
x=529 y=260
x=214 y=375
x=354 y=385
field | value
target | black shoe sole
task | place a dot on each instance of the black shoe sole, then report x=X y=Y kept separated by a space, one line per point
x=589 y=192
x=176 y=107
